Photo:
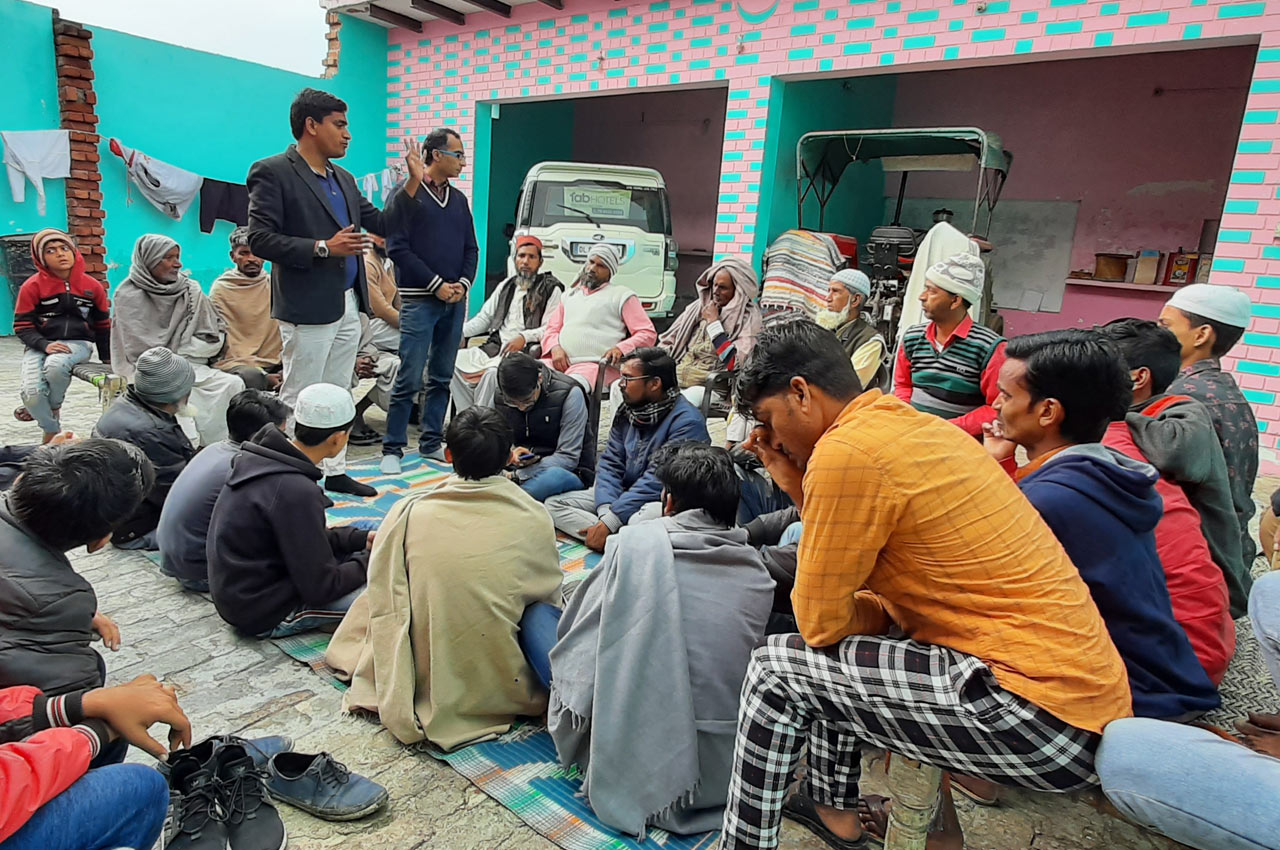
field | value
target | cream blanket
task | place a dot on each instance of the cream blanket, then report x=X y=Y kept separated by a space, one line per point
x=244 y=303
x=431 y=644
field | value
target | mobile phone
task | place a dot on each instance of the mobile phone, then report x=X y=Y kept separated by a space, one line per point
x=527 y=457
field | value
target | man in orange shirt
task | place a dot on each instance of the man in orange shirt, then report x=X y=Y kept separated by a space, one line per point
x=1005 y=672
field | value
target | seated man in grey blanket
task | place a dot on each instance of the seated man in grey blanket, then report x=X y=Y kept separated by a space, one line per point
x=652 y=651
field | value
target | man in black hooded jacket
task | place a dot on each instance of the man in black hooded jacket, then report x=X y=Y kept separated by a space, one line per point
x=275 y=569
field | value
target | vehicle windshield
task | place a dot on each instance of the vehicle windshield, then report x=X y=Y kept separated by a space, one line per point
x=599 y=202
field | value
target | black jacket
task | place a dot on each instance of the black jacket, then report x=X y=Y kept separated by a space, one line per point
x=764 y=532
x=288 y=214
x=269 y=549
x=46 y=615
x=133 y=420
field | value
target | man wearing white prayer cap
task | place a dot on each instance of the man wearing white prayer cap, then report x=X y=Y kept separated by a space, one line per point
x=847 y=292
x=595 y=320
x=1208 y=320
x=948 y=365
x=275 y=569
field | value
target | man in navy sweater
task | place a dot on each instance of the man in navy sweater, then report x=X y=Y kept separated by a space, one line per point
x=1057 y=393
x=434 y=250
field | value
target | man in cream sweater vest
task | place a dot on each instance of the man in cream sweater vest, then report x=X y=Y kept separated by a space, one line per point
x=596 y=320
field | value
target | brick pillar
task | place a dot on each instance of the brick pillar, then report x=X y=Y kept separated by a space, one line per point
x=335 y=45
x=76 y=101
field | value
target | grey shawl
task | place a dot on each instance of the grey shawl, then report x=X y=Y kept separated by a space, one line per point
x=648 y=669
x=149 y=312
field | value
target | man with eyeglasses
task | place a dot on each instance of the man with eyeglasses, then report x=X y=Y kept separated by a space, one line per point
x=554 y=447
x=652 y=415
x=434 y=250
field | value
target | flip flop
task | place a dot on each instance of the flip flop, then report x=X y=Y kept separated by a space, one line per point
x=803 y=811
x=22 y=414
x=873 y=815
x=959 y=788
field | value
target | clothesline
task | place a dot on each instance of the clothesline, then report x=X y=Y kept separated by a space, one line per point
x=36 y=155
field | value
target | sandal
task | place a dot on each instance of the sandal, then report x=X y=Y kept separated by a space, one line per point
x=22 y=414
x=801 y=809
x=873 y=814
x=957 y=785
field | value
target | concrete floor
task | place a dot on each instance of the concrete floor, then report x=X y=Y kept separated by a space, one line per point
x=229 y=684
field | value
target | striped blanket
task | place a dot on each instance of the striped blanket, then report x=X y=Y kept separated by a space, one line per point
x=797 y=267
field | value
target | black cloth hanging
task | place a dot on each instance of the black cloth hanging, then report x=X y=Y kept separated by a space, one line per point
x=227 y=201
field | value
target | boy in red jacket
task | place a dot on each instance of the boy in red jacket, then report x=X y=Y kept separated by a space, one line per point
x=48 y=796
x=60 y=311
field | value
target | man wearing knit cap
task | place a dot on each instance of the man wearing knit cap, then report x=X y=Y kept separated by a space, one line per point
x=511 y=320
x=242 y=297
x=948 y=365
x=596 y=321
x=275 y=569
x=847 y=292
x=146 y=417
x=1208 y=320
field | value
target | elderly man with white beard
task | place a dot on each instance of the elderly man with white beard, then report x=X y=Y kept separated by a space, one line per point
x=847 y=292
x=513 y=319
x=596 y=320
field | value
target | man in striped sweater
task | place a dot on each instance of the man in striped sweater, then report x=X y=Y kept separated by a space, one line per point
x=948 y=366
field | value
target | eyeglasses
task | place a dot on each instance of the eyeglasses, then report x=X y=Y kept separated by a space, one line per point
x=627 y=379
x=461 y=156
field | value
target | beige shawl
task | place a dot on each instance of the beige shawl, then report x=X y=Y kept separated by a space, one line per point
x=244 y=303
x=431 y=644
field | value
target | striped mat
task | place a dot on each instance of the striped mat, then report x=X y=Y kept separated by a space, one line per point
x=520 y=769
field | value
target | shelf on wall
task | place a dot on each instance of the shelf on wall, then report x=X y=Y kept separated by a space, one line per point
x=1117 y=284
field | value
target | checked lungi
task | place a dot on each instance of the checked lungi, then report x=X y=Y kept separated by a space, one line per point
x=920 y=701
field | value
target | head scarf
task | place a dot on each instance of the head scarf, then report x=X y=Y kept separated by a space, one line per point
x=740 y=317
x=856 y=282
x=960 y=274
x=1224 y=304
x=149 y=312
x=607 y=255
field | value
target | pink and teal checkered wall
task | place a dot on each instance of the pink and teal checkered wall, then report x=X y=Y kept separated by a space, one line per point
x=450 y=75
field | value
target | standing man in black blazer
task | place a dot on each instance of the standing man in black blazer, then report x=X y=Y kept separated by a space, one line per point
x=306 y=216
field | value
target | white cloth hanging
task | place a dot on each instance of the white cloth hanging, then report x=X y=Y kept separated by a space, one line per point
x=169 y=189
x=35 y=155
x=369 y=187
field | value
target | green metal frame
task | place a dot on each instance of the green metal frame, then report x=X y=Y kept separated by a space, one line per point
x=822 y=158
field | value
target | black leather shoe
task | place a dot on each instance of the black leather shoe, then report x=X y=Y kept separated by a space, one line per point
x=347 y=484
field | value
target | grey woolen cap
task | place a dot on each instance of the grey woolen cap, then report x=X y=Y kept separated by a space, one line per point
x=162 y=376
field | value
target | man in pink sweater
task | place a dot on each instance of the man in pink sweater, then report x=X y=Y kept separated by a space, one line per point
x=596 y=321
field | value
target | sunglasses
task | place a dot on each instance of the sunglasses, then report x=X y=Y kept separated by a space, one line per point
x=461 y=156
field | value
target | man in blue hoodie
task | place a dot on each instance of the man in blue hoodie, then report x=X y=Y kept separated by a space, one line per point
x=653 y=414
x=1058 y=391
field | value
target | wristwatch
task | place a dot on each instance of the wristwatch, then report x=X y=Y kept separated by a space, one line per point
x=322 y=249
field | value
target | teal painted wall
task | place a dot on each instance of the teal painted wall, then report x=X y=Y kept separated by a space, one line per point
x=28 y=101
x=522 y=135
x=800 y=107
x=215 y=116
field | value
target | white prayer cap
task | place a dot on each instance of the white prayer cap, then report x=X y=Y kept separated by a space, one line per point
x=854 y=281
x=1224 y=304
x=607 y=255
x=959 y=274
x=324 y=406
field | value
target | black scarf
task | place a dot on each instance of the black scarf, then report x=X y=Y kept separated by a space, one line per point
x=653 y=412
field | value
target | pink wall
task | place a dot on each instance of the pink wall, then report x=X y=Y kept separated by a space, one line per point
x=678 y=133
x=1084 y=307
x=1147 y=169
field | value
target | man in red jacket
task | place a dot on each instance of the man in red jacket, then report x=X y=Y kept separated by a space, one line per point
x=49 y=799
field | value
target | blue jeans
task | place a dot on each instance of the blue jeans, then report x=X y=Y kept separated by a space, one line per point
x=537 y=636
x=1191 y=785
x=118 y=806
x=1264 y=614
x=430 y=331
x=551 y=481
x=45 y=378
x=306 y=618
